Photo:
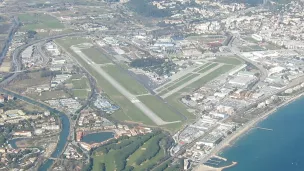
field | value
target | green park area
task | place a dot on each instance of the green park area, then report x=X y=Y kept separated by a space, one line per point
x=166 y=166
x=79 y=82
x=229 y=60
x=33 y=21
x=138 y=153
x=81 y=94
x=125 y=80
x=80 y=86
x=70 y=41
x=96 y=56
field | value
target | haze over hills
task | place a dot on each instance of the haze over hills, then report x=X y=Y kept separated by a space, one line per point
x=150 y=84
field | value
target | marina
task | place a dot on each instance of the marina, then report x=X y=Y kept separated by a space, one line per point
x=217 y=162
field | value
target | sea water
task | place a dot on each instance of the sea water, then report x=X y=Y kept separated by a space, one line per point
x=281 y=149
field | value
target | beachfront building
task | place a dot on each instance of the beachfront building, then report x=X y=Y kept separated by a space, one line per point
x=211 y=140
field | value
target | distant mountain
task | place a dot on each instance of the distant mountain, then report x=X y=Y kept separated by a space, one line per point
x=250 y=2
x=146 y=9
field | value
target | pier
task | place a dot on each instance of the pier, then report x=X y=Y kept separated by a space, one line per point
x=267 y=129
x=215 y=160
x=212 y=162
x=219 y=157
x=210 y=168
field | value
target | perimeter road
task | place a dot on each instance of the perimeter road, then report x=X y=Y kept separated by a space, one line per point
x=149 y=113
x=16 y=61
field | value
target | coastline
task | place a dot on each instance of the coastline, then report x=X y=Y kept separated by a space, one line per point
x=209 y=168
x=243 y=130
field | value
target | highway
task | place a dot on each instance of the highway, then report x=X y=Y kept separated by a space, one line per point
x=148 y=112
x=235 y=51
x=7 y=43
x=66 y=130
x=16 y=59
x=44 y=57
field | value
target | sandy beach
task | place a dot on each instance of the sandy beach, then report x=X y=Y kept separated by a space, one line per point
x=251 y=124
x=238 y=133
x=209 y=168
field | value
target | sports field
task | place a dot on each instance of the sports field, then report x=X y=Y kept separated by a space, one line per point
x=35 y=21
x=81 y=94
x=80 y=86
x=81 y=83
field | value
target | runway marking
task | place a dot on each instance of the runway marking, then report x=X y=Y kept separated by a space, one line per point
x=106 y=64
x=143 y=95
x=135 y=101
x=191 y=81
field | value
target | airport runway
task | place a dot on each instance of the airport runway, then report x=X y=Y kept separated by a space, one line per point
x=191 y=81
x=148 y=112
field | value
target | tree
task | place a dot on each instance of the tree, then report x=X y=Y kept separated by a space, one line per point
x=31 y=34
x=102 y=167
x=2 y=139
x=152 y=150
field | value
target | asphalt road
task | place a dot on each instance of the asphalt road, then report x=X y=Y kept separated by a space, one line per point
x=234 y=50
x=16 y=59
x=45 y=59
